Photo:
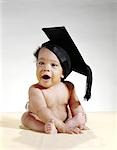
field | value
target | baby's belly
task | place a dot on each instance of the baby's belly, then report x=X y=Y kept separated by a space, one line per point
x=60 y=113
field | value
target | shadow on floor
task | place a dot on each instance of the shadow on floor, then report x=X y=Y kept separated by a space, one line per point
x=48 y=142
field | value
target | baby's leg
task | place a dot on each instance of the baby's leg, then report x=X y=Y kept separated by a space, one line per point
x=78 y=120
x=31 y=123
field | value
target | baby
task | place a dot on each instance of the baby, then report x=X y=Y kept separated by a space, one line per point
x=53 y=105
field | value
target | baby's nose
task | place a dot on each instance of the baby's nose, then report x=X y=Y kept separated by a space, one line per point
x=46 y=68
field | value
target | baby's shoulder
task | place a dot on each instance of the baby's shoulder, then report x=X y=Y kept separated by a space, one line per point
x=34 y=88
x=69 y=85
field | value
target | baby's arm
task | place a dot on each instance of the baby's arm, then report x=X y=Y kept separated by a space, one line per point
x=39 y=107
x=78 y=114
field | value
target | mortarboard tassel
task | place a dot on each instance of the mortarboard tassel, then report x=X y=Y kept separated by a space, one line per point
x=88 y=83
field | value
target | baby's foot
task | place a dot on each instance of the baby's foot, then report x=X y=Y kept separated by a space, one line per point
x=76 y=120
x=77 y=130
x=83 y=127
x=50 y=127
x=80 y=118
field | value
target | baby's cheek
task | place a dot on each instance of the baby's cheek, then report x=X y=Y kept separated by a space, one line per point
x=38 y=75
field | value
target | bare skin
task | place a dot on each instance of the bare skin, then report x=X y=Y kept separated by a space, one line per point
x=50 y=100
x=50 y=127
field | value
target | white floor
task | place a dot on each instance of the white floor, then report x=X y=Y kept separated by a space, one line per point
x=101 y=136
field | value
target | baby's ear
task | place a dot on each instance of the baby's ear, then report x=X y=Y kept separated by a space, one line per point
x=62 y=76
x=36 y=64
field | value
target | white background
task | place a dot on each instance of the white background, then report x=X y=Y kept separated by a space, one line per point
x=92 y=26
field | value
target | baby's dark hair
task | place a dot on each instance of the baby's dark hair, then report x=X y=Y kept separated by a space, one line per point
x=36 y=53
x=60 y=53
x=49 y=45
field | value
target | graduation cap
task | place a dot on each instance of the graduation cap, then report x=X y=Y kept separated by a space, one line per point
x=70 y=58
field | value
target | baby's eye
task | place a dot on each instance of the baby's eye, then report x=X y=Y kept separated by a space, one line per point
x=41 y=63
x=54 y=65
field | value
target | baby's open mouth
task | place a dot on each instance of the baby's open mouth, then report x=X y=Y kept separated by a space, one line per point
x=46 y=77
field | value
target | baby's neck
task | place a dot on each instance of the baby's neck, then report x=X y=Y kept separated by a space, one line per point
x=39 y=86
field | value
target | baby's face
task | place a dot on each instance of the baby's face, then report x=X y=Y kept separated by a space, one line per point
x=49 y=71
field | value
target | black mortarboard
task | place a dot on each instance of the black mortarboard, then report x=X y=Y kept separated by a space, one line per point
x=68 y=54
